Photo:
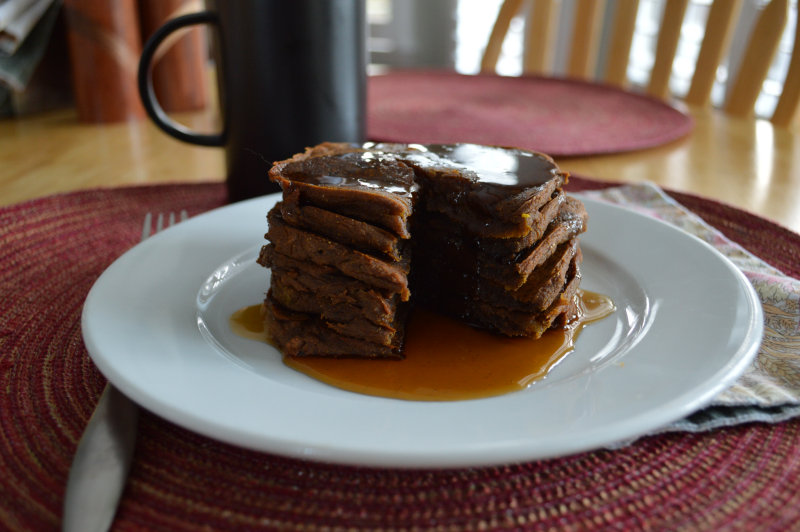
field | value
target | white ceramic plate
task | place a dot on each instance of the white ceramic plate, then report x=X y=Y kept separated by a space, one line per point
x=155 y=323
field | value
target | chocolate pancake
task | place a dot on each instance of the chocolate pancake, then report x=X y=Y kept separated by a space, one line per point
x=302 y=334
x=343 y=229
x=511 y=322
x=308 y=246
x=374 y=188
x=484 y=234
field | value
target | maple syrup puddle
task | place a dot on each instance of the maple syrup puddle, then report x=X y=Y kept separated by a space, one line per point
x=445 y=360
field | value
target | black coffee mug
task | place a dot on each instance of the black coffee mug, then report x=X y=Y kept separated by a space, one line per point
x=291 y=74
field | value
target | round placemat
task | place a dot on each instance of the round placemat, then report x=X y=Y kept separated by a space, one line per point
x=745 y=477
x=560 y=117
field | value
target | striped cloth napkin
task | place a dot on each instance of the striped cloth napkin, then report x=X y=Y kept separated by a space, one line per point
x=769 y=390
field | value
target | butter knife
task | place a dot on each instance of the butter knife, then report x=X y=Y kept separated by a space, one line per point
x=101 y=464
x=103 y=459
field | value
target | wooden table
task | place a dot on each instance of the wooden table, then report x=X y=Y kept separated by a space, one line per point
x=747 y=163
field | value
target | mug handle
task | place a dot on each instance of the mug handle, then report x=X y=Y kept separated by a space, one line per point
x=145 y=82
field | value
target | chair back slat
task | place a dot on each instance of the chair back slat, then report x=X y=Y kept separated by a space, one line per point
x=586 y=30
x=508 y=10
x=666 y=46
x=755 y=64
x=619 y=49
x=786 y=111
x=541 y=28
x=720 y=24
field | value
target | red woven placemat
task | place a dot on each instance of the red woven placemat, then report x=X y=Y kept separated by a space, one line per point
x=557 y=116
x=747 y=477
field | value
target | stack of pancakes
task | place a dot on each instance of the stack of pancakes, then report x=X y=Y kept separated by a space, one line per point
x=339 y=253
x=483 y=234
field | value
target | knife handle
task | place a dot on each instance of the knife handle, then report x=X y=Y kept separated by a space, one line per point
x=100 y=467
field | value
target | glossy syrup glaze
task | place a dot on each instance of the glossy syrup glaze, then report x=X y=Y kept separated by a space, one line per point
x=375 y=167
x=491 y=164
x=445 y=360
x=365 y=170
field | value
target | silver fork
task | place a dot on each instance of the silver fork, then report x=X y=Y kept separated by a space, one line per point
x=100 y=467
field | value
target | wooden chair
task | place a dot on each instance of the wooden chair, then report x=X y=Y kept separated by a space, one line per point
x=587 y=24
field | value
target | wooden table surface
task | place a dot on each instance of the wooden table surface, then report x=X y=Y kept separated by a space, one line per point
x=743 y=162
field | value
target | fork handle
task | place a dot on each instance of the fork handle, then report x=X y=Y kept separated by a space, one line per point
x=101 y=463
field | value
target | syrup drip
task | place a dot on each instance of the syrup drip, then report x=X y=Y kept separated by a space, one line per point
x=445 y=360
